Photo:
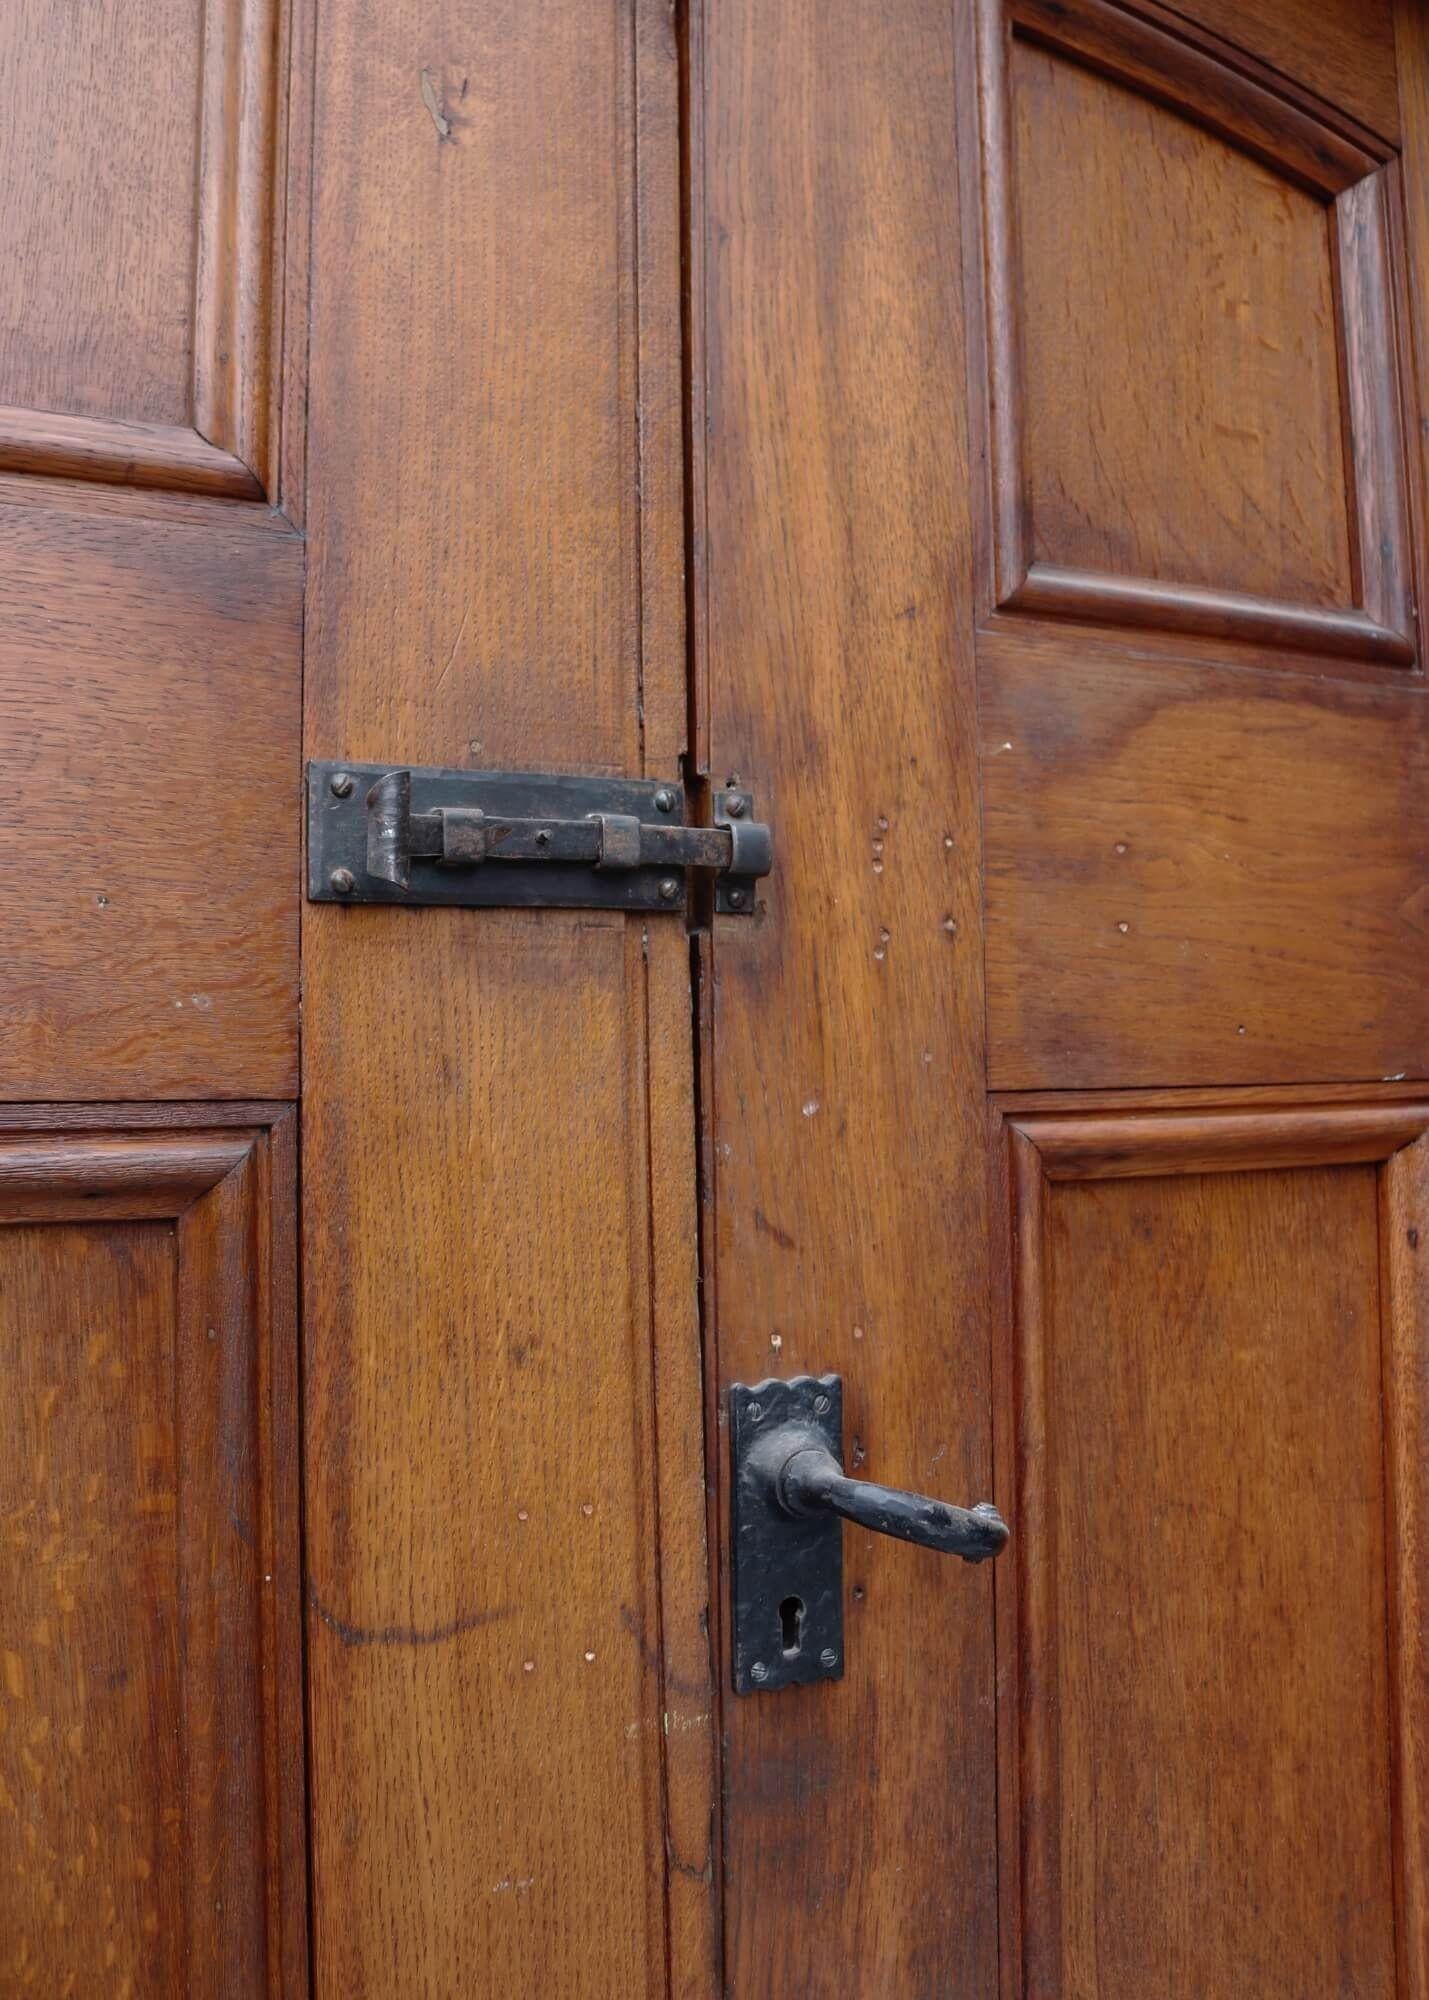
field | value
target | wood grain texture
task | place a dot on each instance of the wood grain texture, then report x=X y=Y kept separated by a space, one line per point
x=96 y=269
x=1408 y=214
x=171 y=456
x=149 y=718
x=1341 y=50
x=1262 y=356
x=1225 y=352
x=1187 y=71
x=136 y=302
x=844 y=1071
x=150 y=1743
x=507 y=1586
x=1095 y=1145
x=243 y=82
x=1235 y=857
x=1219 y=1335
x=1268 y=624
x=1404 y=1230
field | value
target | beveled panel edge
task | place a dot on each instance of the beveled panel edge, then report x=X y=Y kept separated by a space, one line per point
x=234 y=277
x=1208 y=87
x=1204 y=82
x=1375 y=416
x=1090 y=1144
x=117 y=453
x=1097 y=597
x=114 y=1176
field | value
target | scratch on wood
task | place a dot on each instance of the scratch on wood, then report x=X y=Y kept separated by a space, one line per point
x=461 y=630
x=772 y=1230
x=433 y=101
x=674 y=1683
x=405 y=1635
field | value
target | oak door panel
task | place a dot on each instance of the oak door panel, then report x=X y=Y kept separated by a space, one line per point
x=511 y=1718
x=149 y=689
x=1340 y=50
x=1239 y=858
x=1216 y=1525
x=845 y=1157
x=150 y=1754
x=1226 y=352
x=1193 y=400
x=136 y=299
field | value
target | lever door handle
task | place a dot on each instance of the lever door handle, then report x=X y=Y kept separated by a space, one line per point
x=811 y=1481
x=789 y=1498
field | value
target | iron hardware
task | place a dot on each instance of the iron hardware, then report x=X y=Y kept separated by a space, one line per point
x=790 y=1495
x=483 y=839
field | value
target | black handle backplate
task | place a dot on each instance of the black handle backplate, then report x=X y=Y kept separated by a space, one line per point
x=787 y=1573
x=790 y=1497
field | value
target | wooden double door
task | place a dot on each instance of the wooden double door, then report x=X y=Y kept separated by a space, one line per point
x=991 y=434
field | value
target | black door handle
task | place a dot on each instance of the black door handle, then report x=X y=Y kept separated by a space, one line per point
x=810 y=1481
x=789 y=1498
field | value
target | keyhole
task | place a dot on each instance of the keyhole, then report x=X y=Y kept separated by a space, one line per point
x=791 y=1624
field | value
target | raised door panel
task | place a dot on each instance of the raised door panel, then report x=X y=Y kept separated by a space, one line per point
x=138 y=161
x=1224 y=353
x=1204 y=726
x=1215 y=1438
x=150 y=1748
x=149 y=681
x=1195 y=413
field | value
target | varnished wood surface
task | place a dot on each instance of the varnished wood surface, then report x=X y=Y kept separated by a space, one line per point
x=509 y=1690
x=1403 y=1229
x=1238 y=1381
x=151 y=1751
x=1217 y=1506
x=87 y=1763
x=1156 y=59
x=1227 y=352
x=1095 y=1144
x=1341 y=50
x=137 y=329
x=843 y=1093
x=1199 y=874
x=120 y=453
x=149 y=709
x=96 y=270
x=1262 y=356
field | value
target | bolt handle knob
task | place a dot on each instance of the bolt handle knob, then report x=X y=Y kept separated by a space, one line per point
x=810 y=1480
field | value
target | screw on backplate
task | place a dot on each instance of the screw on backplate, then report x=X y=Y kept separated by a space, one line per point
x=736 y=899
x=828 y=1658
x=734 y=805
x=543 y=838
x=759 y=1672
x=340 y=784
x=821 y=1405
x=756 y=1411
x=342 y=881
x=665 y=801
x=669 y=889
